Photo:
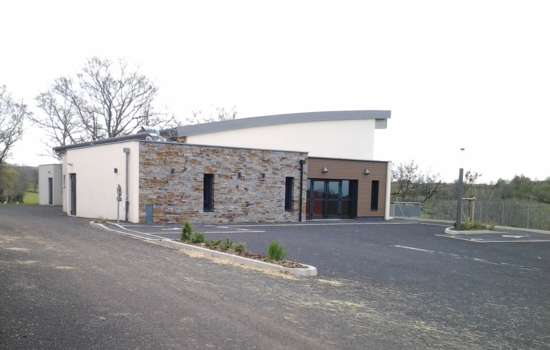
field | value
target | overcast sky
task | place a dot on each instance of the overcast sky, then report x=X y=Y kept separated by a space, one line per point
x=473 y=74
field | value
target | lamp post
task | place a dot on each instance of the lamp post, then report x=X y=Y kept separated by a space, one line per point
x=459 y=192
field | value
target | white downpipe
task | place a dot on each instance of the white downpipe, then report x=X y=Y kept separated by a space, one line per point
x=388 y=192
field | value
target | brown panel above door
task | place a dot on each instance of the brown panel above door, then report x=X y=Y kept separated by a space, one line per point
x=330 y=168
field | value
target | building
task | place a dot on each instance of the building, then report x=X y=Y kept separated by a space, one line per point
x=50 y=184
x=279 y=168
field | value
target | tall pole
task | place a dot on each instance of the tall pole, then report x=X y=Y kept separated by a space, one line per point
x=459 y=195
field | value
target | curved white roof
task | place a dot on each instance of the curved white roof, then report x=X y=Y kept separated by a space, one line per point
x=279 y=119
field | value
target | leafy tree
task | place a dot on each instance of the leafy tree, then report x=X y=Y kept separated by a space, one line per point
x=8 y=183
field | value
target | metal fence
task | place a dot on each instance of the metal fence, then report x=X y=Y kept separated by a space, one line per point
x=498 y=212
x=406 y=209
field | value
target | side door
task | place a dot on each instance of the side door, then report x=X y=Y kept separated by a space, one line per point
x=50 y=191
x=73 y=193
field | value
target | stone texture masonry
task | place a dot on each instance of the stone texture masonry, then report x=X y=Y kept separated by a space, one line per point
x=249 y=184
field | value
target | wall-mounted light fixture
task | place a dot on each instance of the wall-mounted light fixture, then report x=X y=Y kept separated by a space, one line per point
x=366 y=171
x=324 y=170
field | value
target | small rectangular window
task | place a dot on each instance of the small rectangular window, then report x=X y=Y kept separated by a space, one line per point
x=208 y=192
x=289 y=189
x=374 y=195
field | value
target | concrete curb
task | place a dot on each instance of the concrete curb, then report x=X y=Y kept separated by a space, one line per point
x=307 y=271
x=498 y=227
x=511 y=228
x=451 y=231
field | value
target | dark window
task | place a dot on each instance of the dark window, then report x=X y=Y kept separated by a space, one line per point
x=208 y=195
x=289 y=187
x=374 y=195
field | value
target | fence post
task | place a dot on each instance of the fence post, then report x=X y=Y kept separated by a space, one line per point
x=528 y=212
x=502 y=215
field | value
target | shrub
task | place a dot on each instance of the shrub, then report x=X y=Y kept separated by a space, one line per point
x=276 y=252
x=197 y=237
x=226 y=245
x=239 y=248
x=471 y=225
x=213 y=244
x=186 y=232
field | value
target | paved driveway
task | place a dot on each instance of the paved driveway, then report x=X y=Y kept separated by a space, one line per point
x=67 y=284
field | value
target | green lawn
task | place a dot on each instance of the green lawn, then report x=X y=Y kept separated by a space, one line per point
x=30 y=198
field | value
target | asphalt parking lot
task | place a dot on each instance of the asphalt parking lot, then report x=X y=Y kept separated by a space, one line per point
x=68 y=284
x=461 y=277
x=364 y=249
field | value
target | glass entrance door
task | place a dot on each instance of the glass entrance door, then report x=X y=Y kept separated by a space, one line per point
x=317 y=199
x=331 y=199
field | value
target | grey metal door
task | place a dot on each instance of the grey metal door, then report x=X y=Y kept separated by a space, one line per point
x=50 y=191
x=73 y=194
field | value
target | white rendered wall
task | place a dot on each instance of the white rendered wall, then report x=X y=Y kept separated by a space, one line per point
x=96 y=181
x=353 y=139
x=44 y=172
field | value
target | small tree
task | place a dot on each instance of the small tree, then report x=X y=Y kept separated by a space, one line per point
x=470 y=178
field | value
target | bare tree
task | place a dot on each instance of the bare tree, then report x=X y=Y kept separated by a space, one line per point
x=220 y=114
x=12 y=115
x=405 y=175
x=115 y=99
x=428 y=186
x=105 y=99
x=60 y=117
x=413 y=184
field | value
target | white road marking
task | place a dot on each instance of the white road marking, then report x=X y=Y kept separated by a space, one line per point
x=481 y=240
x=127 y=233
x=241 y=231
x=414 y=248
x=513 y=236
x=207 y=232
x=324 y=224
x=465 y=257
x=153 y=234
